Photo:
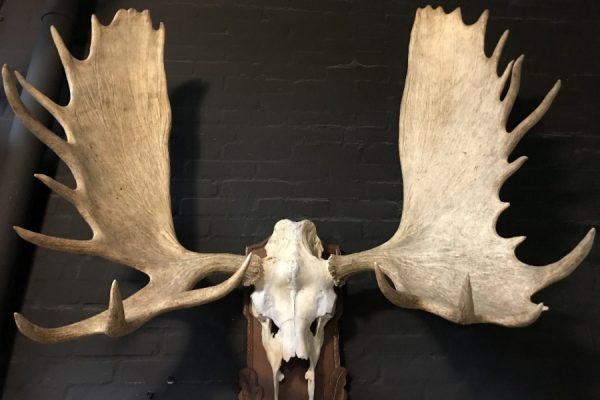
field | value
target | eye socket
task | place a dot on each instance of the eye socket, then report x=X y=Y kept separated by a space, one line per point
x=313 y=327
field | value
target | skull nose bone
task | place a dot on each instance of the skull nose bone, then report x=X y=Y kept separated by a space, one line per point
x=294 y=340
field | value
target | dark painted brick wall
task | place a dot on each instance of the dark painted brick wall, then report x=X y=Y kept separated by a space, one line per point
x=19 y=23
x=289 y=109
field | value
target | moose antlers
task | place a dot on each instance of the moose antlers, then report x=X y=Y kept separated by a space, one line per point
x=117 y=125
x=446 y=257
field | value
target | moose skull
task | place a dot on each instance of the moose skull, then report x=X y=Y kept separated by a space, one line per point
x=294 y=299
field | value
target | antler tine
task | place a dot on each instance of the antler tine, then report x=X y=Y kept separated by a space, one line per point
x=554 y=272
x=35 y=332
x=56 y=243
x=75 y=196
x=54 y=109
x=513 y=89
x=504 y=77
x=483 y=18
x=516 y=241
x=513 y=167
x=45 y=135
x=515 y=136
x=395 y=296
x=116 y=324
x=198 y=297
x=62 y=190
x=63 y=52
x=499 y=47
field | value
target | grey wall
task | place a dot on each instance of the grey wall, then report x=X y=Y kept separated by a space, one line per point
x=289 y=109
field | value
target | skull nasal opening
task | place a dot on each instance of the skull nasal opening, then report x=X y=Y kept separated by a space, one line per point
x=313 y=327
x=294 y=367
x=274 y=328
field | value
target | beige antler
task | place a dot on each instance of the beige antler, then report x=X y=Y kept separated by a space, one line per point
x=117 y=126
x=446 y=257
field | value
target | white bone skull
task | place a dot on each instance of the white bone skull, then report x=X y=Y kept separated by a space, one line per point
x=294 y=299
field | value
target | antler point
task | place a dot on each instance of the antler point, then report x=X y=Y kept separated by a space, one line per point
x=29 y=329
x=115 y=324
x=19 y=76
x=19 y=319
x=557 y=85
x=483 y=18
x=115 y=299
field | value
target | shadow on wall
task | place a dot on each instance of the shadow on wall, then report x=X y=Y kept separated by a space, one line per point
x=186 y=101
x=203 y=347
x=390 y=350
x=552 y=193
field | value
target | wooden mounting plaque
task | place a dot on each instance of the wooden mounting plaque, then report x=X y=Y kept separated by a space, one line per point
x=256 y=380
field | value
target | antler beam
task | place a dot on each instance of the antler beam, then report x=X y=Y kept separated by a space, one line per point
x=123 y=317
